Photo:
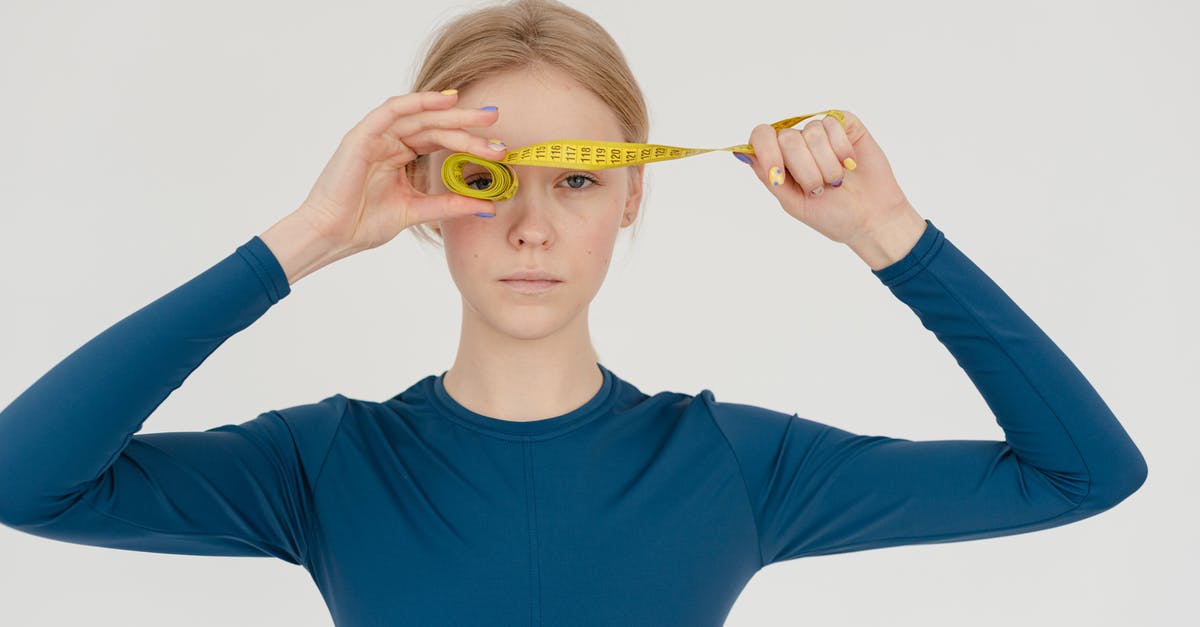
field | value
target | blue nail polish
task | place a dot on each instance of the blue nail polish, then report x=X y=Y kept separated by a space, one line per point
x=489 y=108
x=743 y=158
x=486 y=215
x=837 y=183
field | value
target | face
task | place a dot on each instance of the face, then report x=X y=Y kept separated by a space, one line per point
x=562 y=221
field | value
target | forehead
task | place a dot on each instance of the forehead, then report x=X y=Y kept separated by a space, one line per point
x=540 y=104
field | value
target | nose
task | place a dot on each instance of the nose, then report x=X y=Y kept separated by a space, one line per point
x=530 y=226
x=530 y=213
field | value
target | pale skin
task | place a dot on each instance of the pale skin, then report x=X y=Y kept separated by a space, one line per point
x=513 y=343
x=559 y=221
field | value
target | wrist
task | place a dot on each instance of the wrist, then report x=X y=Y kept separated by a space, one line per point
x=301 y=247
x=881 y=246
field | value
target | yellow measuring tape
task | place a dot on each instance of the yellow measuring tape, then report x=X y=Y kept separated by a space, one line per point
x=582 y=154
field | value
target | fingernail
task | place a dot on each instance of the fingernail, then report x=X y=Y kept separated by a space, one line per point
x=489 y=108
x=818 y=191
x=743 y=158
x=837 y=183
x=486 y=215
x=449 y=92
x=849 y=163
x=496 y=144
x=776 y=176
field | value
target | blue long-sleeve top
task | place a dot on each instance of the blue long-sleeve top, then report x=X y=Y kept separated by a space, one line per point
x=629 y=510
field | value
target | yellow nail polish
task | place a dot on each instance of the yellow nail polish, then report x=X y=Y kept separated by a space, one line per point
x=849 y=163
x=449 y=92
x=776 y=176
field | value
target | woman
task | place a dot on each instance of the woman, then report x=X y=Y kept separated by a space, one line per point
x=528 y=484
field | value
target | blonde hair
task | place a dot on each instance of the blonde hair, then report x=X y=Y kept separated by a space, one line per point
x=517 y=34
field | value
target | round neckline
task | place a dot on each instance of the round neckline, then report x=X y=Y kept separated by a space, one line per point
x=544 y=427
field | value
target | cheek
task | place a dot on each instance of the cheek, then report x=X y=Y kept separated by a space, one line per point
x=465 y=243
x=597 y=245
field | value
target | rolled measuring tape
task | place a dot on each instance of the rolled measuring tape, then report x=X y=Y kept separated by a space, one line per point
x=582 y=154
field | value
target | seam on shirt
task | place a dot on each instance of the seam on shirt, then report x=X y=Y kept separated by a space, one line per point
x=316 y=511
x=749 y=501
x=184 y=534
x=521 y=437
x=307 y=528
x=921 y=262
x=902 y=540
x=1070 y=438
x=321 y=470
x=260 y=273
x=544 y=436
x=535 y=570
x=265 y=449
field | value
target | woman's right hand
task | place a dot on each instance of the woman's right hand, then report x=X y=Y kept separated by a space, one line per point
x=363 y=198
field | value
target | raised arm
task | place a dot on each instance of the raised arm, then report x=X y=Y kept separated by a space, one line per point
x=816 y=489
x=72 y=468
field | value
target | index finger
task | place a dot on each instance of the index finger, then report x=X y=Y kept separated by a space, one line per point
x=383 y=116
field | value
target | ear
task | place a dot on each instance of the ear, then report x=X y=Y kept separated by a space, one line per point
x=634 y=199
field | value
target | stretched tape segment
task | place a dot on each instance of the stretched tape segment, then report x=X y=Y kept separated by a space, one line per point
x=582 y=154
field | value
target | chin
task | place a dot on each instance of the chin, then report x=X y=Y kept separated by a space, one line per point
x=522 y=317
x=529 y=327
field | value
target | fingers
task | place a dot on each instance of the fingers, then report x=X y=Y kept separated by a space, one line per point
x=455 y=117
x=842 y=146
x=767 y=156
x=812 y=157
x=382 y=117
x=799 y=160
x=401 y=128
x=445 y=206
x=455 y=140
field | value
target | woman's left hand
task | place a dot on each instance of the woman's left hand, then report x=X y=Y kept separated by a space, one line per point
x=815 y=157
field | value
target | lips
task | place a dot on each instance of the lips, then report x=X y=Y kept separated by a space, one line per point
x=530 y=275
x=529 y=287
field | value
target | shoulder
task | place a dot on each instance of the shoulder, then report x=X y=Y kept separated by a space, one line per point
x=322 y=415
x=312 y=427
x=736 y=422
x=733 y=417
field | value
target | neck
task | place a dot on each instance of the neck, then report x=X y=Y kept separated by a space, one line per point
x=502 y=376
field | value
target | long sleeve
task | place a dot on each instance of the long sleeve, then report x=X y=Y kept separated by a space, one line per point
x=72 y=468
x=815 y=489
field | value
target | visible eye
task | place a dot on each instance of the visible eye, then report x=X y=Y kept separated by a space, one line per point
x=587 y=177
x=487 y=180
x=471 y=180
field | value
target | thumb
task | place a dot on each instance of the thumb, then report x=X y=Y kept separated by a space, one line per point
x=449 y=205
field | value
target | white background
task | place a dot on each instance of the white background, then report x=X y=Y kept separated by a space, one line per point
x=1053 y=143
